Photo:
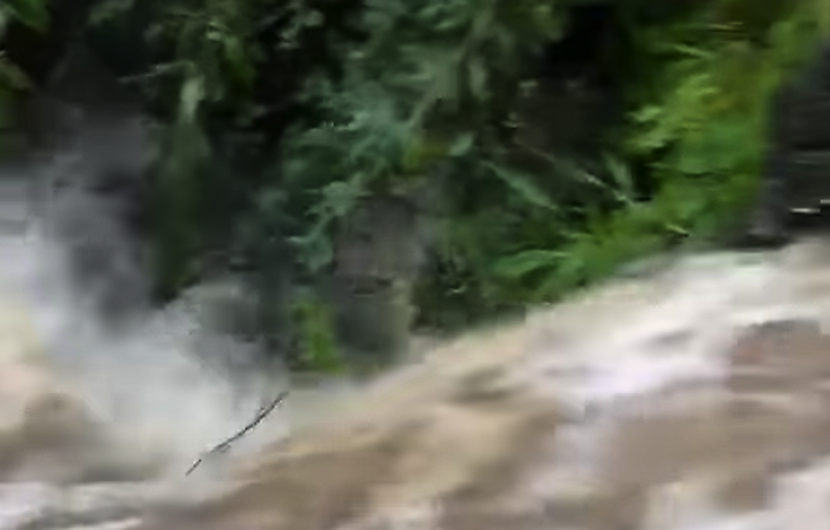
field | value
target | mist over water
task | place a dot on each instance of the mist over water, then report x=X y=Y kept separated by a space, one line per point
x=158 y=386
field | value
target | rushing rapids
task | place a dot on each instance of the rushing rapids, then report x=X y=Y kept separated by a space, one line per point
x=693 y=397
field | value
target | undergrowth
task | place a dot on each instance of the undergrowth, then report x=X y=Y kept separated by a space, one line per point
x=284 y=115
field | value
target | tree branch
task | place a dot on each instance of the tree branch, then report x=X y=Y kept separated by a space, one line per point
x=224 y=446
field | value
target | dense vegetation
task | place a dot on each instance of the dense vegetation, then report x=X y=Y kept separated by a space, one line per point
x=539 y=143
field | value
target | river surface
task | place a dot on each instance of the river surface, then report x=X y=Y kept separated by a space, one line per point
x=692 y=395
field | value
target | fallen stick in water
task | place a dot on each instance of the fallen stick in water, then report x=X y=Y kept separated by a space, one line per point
x=224 y=446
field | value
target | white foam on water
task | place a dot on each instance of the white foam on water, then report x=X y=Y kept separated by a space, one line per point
x=618 y=360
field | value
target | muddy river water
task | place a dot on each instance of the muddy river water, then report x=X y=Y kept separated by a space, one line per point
x=696 y=396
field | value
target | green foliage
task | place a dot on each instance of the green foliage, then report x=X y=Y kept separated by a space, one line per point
x=417 y=92
x=318 y=349
x=213 y=62
x=424 y=93
x=34 y=14
x=285 y=115
x=699 y=121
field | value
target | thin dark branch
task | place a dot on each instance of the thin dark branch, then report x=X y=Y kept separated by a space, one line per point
x=224 y=446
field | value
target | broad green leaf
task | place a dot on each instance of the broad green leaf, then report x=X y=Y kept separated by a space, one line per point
x=192 y=94
x=4 y=20
x=477 y=78
x=519 y=265
x=462 y=145
x=33 y=13
x=11 y=76
x=523 y=186
x=237 y=58
x=622 y=177
x=340 y=197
